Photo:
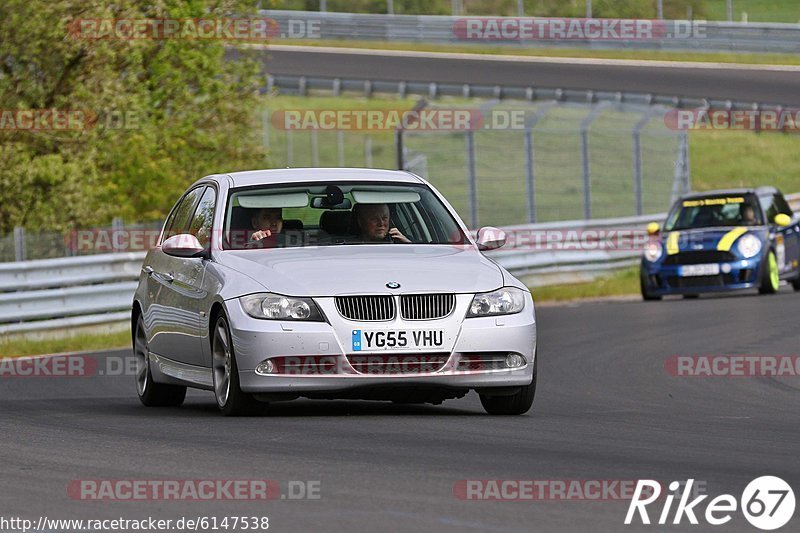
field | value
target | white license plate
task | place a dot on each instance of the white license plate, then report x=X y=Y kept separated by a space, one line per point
x=397 y=339
x=699 y=270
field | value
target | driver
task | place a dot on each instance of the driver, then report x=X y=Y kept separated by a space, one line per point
x=748 y=215
x=374 y=224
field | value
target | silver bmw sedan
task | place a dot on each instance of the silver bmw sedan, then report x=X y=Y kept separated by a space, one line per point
x=270 y=285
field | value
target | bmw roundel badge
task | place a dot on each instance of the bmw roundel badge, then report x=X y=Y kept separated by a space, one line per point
x=393 y=285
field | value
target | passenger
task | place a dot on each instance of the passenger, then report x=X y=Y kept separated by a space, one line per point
x=374 y=224
x=268 y=225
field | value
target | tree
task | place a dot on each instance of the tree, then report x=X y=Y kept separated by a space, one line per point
x=150 y=115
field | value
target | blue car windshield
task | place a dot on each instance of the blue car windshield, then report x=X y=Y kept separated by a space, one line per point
x=715 y=211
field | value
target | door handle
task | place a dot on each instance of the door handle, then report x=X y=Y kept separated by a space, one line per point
x=147 y=269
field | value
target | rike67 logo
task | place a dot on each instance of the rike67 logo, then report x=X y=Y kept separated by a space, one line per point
x=767 y=503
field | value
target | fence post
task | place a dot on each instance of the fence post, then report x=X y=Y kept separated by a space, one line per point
x=530 y=159
x=289 y=148
x=265 y=130
x=116 y=228
x=340 y=147
x=398 y=148
x=368 y=151
x=473 y=180
x=686 y=174
x=20 y=250
x=529 y=174
x=587 y=184
x=314 y=149
x=637 y=162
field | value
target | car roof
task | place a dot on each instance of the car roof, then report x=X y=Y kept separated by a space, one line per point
x=322 y=175
x=728 y=192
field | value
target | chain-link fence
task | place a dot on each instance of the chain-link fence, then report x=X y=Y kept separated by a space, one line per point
x=518 y=162
x=508 y=163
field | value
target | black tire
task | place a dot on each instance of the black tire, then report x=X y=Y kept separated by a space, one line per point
x=796 y=284
x=233 y=402
x=769 y=283
x=516 y=404
x=150 y=393
x=647 y=296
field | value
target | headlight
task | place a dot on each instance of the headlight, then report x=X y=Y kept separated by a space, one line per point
x=505 y=301
x=748 y=245
x=278 y=307
x=653 y=251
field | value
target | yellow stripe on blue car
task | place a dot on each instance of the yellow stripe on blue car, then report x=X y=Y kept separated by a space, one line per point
x=672 y=243
x=729 y=238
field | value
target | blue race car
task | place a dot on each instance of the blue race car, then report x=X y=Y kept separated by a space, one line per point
x=720 y=241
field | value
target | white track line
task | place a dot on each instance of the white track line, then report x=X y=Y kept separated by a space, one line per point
x=696 y=65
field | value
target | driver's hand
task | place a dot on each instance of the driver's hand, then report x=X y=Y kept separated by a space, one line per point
x=261 y=234
x=395 y=234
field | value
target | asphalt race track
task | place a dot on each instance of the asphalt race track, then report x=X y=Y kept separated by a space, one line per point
x=606 y=409
x=752 y=84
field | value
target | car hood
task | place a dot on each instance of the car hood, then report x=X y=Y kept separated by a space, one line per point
x=366 y=269
x=691 y=240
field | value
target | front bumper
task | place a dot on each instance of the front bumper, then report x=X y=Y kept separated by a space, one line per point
x=257 y=340
x=661 y=279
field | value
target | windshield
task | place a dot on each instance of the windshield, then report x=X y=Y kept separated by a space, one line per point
x=714 y=212
x=337 y=214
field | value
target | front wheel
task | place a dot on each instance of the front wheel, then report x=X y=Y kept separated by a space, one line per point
x=770 y=277
x=150 y=393
x=646 y=294
x=516 y=404
x=230 y=398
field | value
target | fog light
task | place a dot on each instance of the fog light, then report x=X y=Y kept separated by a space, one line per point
x=726 y=268
x=514 y=360
x=265 y=367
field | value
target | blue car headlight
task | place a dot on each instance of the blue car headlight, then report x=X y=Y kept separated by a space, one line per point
x=748 y=245
x=653 y=251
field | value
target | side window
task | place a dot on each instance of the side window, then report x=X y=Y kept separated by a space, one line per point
x=203 y=218
x=783 y=205
x=179 y=221
x=769 y=207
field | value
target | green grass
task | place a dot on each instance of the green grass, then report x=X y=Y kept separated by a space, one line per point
x=623 y=282
x=653 y=55
x=741 y=159
x=757 y=10
x=16 y=347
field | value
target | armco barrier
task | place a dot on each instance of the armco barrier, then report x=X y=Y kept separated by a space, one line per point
x=700 y=36
x=98 y=289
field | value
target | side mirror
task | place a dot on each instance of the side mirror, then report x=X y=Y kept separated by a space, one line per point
x=782 y=220
x=653 y=228
x=490 y=238
x=182 y=245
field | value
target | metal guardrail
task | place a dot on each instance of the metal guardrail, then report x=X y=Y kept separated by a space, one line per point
x=680 y=35
x=76 y=291
x=301 y=85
